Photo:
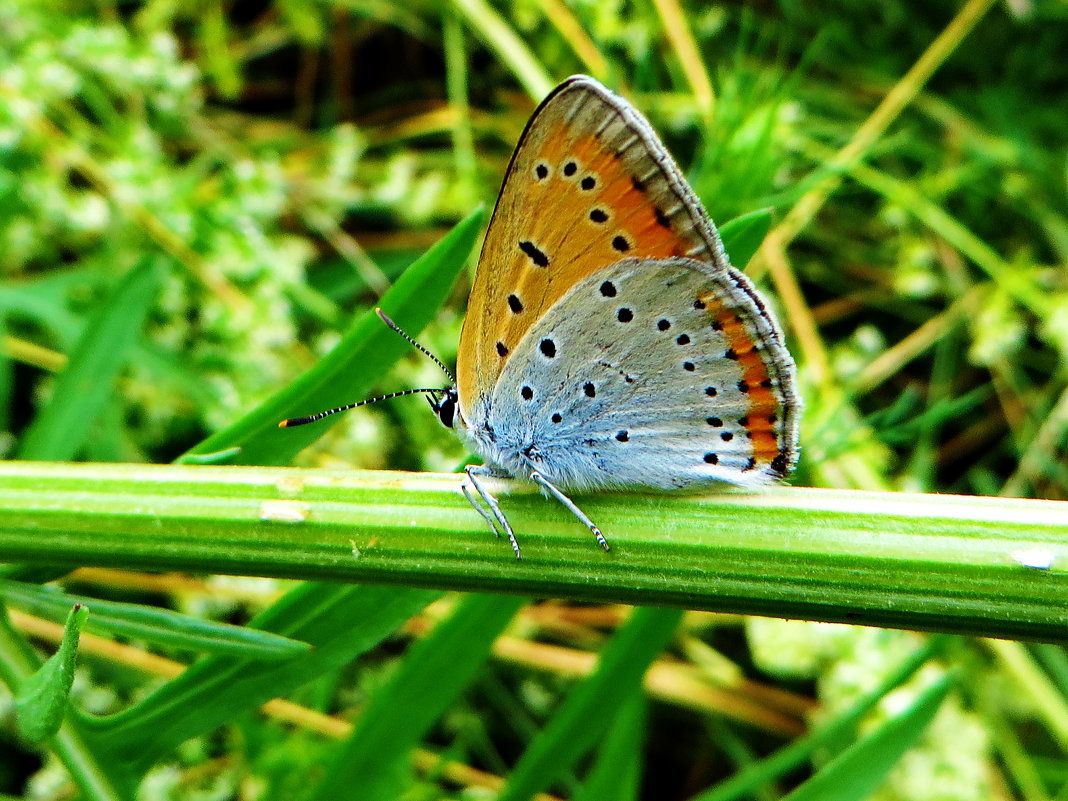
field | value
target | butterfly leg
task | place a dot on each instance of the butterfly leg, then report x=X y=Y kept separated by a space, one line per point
x=472 y=472
x=538 y=478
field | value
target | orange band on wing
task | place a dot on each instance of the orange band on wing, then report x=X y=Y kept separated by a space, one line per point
x=763 y=411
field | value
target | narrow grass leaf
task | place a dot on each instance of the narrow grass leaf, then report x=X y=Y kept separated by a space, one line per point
x=743 y=235
x=31 y=573
x=1055 y=662
x=45 y=300
x=838 y=730
x=349 y=371
x=339 y=621
x=152 y=625
x=500 y=37
x=372 y=763
x=855 y=773
x=81 y=390
x=617 y=771
x=591 y=707
x=41 y=700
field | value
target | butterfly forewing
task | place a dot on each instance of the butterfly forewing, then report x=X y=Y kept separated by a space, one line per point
x=589 y=184
x=655 y=373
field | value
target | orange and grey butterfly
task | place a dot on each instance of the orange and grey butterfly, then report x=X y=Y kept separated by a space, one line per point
x=590 y=184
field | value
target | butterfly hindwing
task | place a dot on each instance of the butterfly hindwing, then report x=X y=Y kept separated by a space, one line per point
x=649 y=372
x=589 y=184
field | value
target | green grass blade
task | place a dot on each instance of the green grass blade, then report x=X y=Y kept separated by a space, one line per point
x=340 y=621
x=838 y=730
x=349 y=371
x=81 y=390
x=494 y=30
x=44 y=301
x=742 y=236
x=153 y=625
x=372 y=763
x=616 y=773
x=855 y=773
x=41 y=700
x=591 y=707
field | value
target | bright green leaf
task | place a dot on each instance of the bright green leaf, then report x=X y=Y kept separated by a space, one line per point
x=616 y=773
x=855 y=773
x=743 y=235
x=153 y=625
x=838 y=730
x=41 y=700
x=82 y=389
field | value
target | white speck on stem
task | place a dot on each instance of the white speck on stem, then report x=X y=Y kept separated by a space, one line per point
x=284 y=511
x=1036 y=558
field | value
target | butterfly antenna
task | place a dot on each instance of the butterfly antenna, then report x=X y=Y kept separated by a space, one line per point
x=416 y=345
x=299 y=421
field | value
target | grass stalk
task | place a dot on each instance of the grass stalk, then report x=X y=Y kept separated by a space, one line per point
x=989 y=566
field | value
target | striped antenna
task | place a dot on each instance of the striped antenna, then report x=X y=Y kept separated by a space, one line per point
x=382 y=315
x=299 y=421
x=435 y=403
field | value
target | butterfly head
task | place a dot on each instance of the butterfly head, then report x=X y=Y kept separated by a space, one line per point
x=443 y=402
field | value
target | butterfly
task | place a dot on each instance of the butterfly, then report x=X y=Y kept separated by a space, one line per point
x=608 y=341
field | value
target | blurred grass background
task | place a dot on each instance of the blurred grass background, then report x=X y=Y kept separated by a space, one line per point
x=244 y=177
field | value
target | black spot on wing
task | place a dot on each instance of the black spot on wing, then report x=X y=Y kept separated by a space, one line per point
x=534 y=253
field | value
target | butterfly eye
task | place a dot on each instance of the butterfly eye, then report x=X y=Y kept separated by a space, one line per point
x=445 y=408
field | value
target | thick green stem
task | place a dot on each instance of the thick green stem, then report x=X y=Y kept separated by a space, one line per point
x=990 y=566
